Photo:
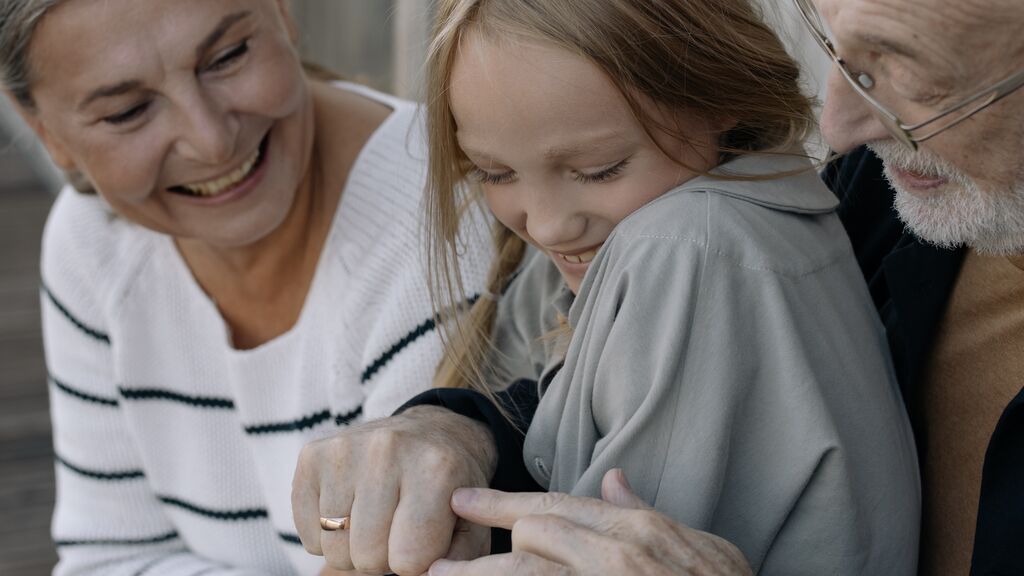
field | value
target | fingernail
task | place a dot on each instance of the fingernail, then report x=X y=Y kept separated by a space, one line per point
x=441 y=567
x=463 y=497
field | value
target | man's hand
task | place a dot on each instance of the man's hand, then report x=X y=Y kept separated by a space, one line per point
x=394 y=479
x=557 y=534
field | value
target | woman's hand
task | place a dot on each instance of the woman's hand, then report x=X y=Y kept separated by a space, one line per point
x=394 y=479
x=559 y=535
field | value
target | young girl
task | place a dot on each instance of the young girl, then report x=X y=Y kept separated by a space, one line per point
x=671 y=273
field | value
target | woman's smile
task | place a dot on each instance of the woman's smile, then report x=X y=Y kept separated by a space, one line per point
x=235 y=184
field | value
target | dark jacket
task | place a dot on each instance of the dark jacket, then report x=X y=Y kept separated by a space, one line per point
x=911 y=283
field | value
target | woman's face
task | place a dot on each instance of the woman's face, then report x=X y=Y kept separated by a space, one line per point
x=190 y=117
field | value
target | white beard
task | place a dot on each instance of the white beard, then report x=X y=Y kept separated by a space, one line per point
x=961 y=214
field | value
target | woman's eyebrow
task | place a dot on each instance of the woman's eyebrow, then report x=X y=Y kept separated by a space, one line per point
x=222 y=28
x=108 y=91
x=128 y=85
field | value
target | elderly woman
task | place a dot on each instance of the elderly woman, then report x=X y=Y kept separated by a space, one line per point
x=237 y=274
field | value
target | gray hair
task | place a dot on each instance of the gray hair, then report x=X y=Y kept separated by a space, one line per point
x=18 y=21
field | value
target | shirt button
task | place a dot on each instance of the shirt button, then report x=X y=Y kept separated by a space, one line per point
x=538 y=462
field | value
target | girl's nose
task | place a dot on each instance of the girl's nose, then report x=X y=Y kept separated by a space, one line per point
x=553 y=222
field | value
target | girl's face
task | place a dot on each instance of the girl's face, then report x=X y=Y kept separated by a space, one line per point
x=190 y=117
x=559 y=153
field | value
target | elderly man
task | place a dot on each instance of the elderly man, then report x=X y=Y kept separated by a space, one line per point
x=931 y=88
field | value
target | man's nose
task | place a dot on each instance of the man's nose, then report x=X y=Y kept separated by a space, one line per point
x=846 y=119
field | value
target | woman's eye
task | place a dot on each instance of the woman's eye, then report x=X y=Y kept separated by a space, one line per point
x=488 y=178
x=127 y=115
x=602 y=176
x=229 y=57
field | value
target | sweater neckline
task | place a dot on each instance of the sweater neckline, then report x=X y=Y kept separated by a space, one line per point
x=334 y=235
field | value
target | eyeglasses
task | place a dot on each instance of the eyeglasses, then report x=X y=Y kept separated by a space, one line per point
x=910 y=135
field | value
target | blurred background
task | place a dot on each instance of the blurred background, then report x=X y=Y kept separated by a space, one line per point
x=377 y=42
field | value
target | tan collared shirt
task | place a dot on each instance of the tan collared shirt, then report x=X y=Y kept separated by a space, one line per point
x=976 y=370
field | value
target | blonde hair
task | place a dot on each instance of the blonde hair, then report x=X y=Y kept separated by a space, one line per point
x=715 y=59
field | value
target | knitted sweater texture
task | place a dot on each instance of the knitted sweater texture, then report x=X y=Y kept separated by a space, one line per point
x=175 y=451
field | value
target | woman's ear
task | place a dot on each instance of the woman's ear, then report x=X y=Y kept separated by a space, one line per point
x=58 y=152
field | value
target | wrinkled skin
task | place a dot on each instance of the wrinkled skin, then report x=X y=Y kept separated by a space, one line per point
x=555 y=534
x=394 y=478
x=400 y=478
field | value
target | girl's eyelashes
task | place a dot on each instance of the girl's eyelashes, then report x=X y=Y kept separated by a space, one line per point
x=488 y=178
x=506 y=177
x=229 y=56
x=602 y=176
x=127 y=115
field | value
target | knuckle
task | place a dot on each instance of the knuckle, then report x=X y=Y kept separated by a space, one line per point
x=648 y=524
x=406 y=565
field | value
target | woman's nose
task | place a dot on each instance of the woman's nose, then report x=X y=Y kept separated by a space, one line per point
x=208 y=134
x=847 y=120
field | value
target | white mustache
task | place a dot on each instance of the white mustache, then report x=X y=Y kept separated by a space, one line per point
x=922 y=161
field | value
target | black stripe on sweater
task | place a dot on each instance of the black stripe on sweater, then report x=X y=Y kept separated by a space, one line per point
x=303 y=423
x=118 y=541
x=91 y=332
x=112 y=402
x=143 y=394
x=225 y=515
x=342 y=419
x=290 y=538
x=418 y=332
x=102 y=475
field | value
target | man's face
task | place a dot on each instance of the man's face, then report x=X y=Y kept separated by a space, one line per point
x=966 y=185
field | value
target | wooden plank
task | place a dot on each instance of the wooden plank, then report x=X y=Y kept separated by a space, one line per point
x=26 y=446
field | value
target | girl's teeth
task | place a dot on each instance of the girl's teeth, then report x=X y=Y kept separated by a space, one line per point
x=580 y=258
x=214 y=187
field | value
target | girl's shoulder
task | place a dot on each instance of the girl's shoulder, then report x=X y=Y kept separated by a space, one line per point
x=785 y=224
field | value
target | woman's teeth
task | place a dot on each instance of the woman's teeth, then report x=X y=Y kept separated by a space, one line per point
x=214 y=187
x=583 y=258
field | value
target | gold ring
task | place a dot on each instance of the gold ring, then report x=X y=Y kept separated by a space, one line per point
x=334 y=524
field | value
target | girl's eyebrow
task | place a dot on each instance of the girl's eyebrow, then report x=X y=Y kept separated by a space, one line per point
x=129 y=85
x=595 y=144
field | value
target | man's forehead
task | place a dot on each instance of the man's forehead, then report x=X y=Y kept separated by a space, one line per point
x=937 y=30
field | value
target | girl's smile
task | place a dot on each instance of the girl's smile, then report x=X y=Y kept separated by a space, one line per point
x=560 y=155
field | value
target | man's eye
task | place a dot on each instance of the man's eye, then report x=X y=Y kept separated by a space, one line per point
x=128 y=115
x=229 y=57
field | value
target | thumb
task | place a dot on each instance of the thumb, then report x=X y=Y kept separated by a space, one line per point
x=615 y=489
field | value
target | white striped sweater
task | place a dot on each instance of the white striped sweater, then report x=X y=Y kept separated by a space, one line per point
x=175 y=452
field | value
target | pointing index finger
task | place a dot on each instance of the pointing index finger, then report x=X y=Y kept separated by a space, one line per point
x=498 y=509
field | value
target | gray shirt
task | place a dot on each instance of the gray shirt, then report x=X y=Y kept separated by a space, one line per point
x=726 y=354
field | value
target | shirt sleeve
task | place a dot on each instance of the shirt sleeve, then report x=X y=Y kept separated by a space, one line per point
x=107 y=521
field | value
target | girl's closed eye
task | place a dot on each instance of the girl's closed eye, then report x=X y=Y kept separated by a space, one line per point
x=485 y=177
x=602 y=175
